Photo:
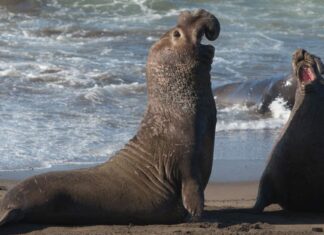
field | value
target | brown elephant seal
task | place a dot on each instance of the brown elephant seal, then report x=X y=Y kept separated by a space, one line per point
x=259 y=93
x=294 y=175
x=161 y=174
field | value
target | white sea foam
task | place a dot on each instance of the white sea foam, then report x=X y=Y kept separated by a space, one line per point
x=9 y=72
x=279 y=109
x=269 y=123
x=98 y=94
x=152 y=39
x=234 y=109
x=94 y=95
x=233 y=117
x=126 y=87
x=288 y=83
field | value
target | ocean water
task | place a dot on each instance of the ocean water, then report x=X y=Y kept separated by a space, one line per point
x=72 y=76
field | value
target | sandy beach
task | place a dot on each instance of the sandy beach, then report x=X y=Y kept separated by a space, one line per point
x=221 y=217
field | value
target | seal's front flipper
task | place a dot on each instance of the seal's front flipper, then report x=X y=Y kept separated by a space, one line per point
x=11 y=215
x=265 y=195
x=262 y=202
x=193 y=199
x=3 y=217
x=4 y=188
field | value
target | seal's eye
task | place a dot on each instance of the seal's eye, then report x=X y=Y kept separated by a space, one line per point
x=176 y=34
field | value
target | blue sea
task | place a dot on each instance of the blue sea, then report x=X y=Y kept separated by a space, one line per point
x=72 y=76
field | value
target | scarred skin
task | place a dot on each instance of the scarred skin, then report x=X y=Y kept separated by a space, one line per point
x=161 y=174
x=294 y=175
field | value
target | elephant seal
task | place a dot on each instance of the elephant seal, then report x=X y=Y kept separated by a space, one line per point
x=259 y=93
x=294 y=175
x=23 y=6
x=161 y=173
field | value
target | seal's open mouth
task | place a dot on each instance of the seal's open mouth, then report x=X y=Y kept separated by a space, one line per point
x=306 y=74
x=306 y=67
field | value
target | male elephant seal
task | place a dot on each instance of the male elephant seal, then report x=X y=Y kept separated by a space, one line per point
x=294 y=175
x=161 y=174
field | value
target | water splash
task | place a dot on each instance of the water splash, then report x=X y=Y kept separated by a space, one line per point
x=244 y=118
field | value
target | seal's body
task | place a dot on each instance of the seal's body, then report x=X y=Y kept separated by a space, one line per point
x=258 y=93
x=294 y=175
x=161 y=174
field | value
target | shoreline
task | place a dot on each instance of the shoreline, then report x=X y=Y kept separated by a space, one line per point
x=235 y=170
x=221 y=216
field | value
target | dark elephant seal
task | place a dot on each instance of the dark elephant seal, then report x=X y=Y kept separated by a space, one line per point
x=161 y=174
x=294 y=175
x=258 y=93
x=23 y=6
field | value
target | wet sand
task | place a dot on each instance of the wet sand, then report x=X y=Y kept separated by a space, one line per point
x=221 y=217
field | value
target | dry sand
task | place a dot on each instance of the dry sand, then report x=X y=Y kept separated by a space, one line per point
x=221 y=217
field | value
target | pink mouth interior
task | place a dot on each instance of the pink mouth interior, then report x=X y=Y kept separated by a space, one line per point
x=306 y=74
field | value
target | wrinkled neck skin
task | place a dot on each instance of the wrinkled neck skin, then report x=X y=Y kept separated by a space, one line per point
x=184 y=89
x=176 y=107
x=307 y=115
x=309 y=99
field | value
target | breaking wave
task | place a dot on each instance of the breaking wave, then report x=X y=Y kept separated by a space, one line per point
x=242 y=120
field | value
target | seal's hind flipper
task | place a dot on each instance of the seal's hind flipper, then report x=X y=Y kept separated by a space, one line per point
x=10 y=216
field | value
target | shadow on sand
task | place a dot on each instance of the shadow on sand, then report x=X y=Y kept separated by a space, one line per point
x=226 y=219
x=230 y=217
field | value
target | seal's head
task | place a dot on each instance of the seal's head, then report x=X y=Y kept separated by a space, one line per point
x=178 y=63
x=309 y=72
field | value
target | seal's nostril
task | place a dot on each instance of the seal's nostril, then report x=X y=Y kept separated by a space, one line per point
x=298 y=53
x=176 y=34
x=298 y=56
x=201 y=20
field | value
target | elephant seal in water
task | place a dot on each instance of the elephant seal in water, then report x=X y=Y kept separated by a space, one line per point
x=33 y=7
x=161 y=174
x=294 y=175
x=259 y=93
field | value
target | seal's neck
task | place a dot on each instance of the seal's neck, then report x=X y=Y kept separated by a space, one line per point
x=308 y=111
x=178 y=89
x=308 y=96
